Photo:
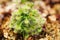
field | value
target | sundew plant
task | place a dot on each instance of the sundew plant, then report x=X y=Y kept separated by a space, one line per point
x=26 y=20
